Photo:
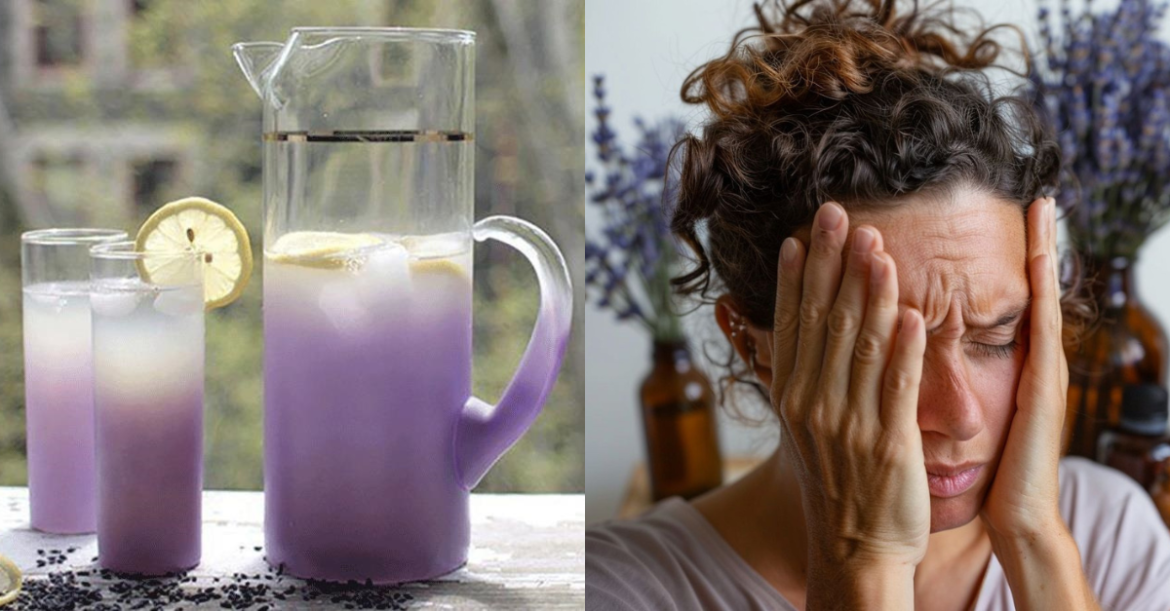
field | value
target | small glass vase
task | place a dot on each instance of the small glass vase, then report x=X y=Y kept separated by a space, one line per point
x=1127 y=347
x=678 y=415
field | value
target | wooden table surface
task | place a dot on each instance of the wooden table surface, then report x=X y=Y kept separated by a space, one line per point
x=527 y=551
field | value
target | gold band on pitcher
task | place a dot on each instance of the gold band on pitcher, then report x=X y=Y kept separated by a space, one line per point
x=369 y=136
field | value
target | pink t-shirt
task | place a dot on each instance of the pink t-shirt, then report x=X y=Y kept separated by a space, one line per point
x=672 y=558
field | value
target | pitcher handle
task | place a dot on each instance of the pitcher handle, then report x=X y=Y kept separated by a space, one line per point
x=484 y=432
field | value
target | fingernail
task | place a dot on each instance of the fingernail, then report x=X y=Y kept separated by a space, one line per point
x=788 y=251
x=909 y=322
x=830 y=216
x=877 y=268
x=863 y=240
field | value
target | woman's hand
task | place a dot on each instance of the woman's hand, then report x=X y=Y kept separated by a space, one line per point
x=1023 y=500
x=848 y=401
x=1022 y=513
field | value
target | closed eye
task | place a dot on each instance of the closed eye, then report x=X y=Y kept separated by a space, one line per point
x=996 y=350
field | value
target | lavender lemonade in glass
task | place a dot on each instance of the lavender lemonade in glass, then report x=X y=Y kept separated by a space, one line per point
x=372 y=438
x=148 y=351
x=58 y=376
x=366 y=353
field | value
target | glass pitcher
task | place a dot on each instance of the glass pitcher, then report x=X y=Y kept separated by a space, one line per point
x=372 y=439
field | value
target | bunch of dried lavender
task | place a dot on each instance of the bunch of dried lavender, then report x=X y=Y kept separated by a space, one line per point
x=629 y=266
x=1105 y=87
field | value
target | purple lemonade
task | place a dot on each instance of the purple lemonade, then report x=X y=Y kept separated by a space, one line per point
x=58 y=379
x=372 y=440
x=367 y=368
x=148 y=368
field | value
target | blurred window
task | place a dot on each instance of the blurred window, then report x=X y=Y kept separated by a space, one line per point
x=155 y=41
x=152 y=178
x=60 y=179
x=57 y=33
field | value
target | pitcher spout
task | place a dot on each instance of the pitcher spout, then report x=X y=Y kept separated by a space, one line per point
x=255 y=59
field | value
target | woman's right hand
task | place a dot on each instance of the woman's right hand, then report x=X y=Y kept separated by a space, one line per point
x=845 y=384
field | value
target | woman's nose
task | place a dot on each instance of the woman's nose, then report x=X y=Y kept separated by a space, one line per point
x=946 y=404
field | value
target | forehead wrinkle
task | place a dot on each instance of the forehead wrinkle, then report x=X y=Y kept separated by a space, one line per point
x=946 y=250
x=953 y=274
x=940 y=291
x=988 y=298
x=952 y=324
x=984 y=310
x=952 y=301
x=943 y=224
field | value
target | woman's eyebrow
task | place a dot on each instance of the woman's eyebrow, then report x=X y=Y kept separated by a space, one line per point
x=1012 y=315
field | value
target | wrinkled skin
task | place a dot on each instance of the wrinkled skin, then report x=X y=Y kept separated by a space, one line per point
x=949 y=356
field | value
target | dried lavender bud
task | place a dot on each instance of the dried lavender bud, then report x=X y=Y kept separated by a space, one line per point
x=629 y=266
x=107 y=591
x=1105 y=91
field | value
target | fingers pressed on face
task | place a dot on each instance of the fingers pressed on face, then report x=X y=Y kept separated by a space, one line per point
x=902 y=377
x=1045 y=334
x=790 y=277
x=1054 y=252
x=849 y=311
x=871 y=350
x=822 y=277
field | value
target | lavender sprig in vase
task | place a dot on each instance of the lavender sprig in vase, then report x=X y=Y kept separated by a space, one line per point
x=1105 y=85
x=628 y=271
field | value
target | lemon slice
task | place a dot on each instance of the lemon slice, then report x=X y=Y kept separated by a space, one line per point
x=9 y=581
x=195 y=223
x=437 y=266
x=438 y=254
x=321 y=249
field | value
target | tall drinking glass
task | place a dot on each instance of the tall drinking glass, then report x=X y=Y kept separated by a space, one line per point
x=372 y=438
x=148 y=392
x=58 y=376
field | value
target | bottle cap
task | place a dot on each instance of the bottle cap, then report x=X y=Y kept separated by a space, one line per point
x=1144 y=409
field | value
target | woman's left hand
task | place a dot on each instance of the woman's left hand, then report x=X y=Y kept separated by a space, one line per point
x=1023 y=500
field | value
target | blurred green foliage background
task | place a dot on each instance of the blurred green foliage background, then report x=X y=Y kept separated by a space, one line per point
x=110 y=108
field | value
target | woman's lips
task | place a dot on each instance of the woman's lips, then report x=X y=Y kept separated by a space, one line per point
x=954 y=483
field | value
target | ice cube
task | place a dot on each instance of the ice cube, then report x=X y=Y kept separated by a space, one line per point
x=46 y=300
x=179 y=302
x=341 y=303
x=114 y=303
x=385 y=275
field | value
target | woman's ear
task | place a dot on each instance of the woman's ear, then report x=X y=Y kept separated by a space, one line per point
x=753 y=345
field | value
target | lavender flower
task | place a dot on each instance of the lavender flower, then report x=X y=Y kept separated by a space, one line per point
x=1105 y=89
x=629 y=266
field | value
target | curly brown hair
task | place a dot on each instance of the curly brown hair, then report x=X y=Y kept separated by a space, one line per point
x=853 y=102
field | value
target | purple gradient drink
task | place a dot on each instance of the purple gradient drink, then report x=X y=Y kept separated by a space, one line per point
x=58 y=378
x=148 y=371
x=367 y=367
x=372 y=439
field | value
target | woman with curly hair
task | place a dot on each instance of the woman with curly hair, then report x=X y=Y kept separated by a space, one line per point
x=881 y=252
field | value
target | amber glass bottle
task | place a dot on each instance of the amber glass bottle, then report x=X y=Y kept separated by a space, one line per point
x=1139 y=445
x=1128 y=347
x=678 y=414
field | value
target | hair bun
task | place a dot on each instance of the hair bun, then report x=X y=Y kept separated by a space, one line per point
x=830 y=49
